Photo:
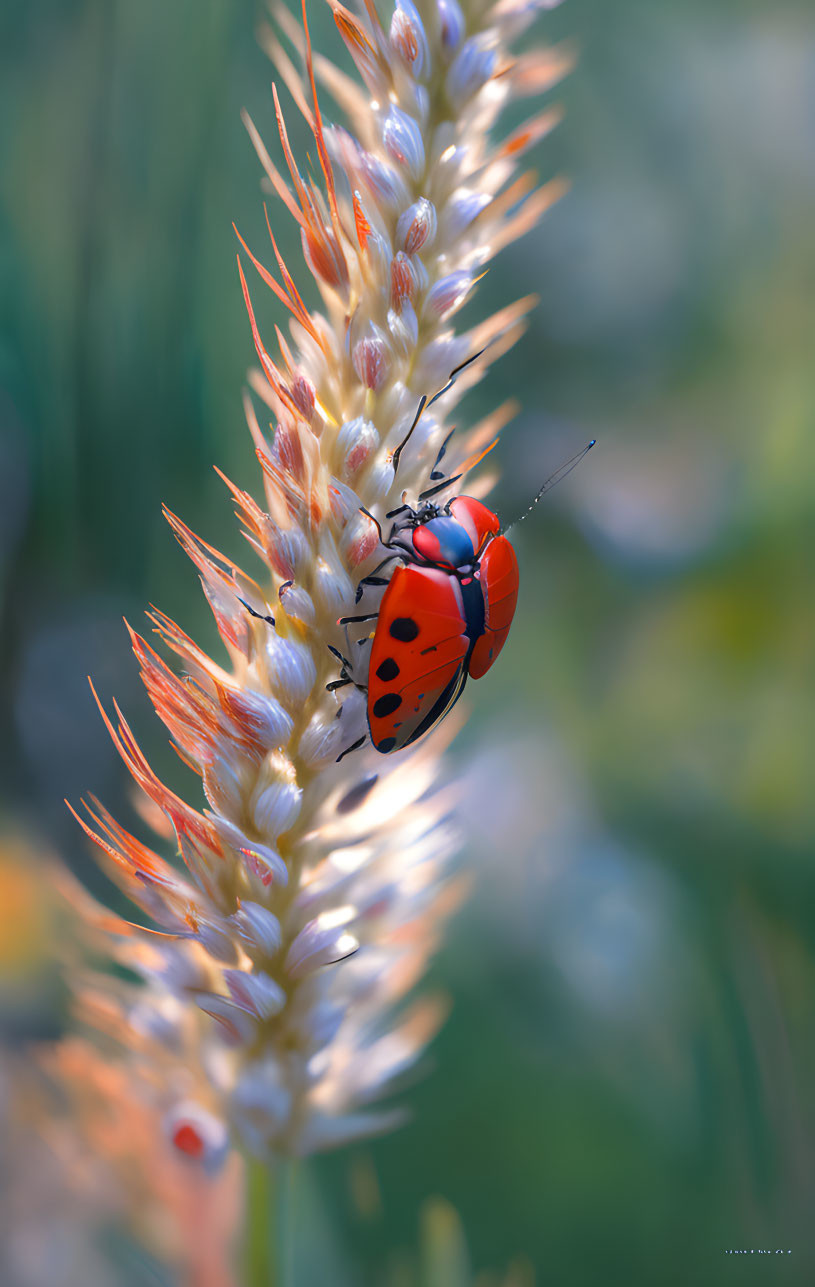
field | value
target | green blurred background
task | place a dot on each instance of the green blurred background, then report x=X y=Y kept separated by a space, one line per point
x=626 y=1087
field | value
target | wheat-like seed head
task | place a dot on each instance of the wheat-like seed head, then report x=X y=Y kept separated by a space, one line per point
x=311 y=891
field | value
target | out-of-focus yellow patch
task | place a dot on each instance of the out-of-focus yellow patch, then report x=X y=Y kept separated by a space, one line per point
x=23 y=911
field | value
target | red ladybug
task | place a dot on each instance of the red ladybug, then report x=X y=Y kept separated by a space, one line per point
x=445 y=615
x=446 y=611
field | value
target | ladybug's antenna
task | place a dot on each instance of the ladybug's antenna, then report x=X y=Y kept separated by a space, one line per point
x=550 y=482
x=425 y=402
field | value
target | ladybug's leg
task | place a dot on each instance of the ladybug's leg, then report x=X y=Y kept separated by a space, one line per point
x=335 y=652
x=355 y=746
x=352 y=621
x=372 y=578
x=389 y=544
x=350 y=649
x=345 y=668
x=375 y=522
x=379 y=567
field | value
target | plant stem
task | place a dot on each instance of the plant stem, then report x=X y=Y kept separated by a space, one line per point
x=285 y=1223
x=267 y=1238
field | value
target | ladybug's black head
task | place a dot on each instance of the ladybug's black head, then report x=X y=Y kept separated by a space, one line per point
x=426 y=511
x=407 y=516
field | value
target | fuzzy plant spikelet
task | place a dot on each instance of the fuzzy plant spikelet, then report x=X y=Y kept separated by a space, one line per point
x=309 y=892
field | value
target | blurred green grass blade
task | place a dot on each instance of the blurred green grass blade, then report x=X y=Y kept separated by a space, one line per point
x=444 y=1258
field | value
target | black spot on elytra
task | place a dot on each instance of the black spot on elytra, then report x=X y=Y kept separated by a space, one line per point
x=387 y=705
x=387 y=744
x=404 y=629
x=388 y=670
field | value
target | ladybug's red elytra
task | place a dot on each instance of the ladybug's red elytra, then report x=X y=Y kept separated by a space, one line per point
x=444 y=616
